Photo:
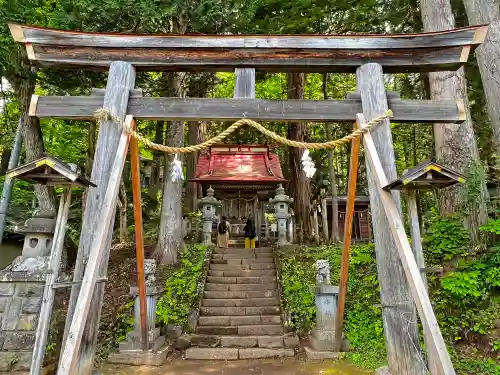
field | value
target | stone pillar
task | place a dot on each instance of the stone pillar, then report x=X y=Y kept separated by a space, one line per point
x=281 y=203
x=209 y=205
x=323 y=335
x=130 y=350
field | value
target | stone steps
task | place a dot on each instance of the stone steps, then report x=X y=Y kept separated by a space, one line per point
x=242 y=273
x=238 y=266
x=240 y=313
x=237 y=353
x=218 y=294
x=243 y=302
x=211 y=341
x=241 y=280
x=226 y=320
x=242 y=330
x=241 y=287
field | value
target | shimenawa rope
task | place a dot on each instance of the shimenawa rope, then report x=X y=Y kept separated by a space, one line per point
x=105 y=115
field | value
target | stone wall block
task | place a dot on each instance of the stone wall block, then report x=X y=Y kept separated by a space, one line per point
x=7 y=361
x=29 y=290
x=4 y=302
x=27 y=322
x=31 y=305
x=19 y=341
x=7 y=289
x=11 y=316
x=23 y=361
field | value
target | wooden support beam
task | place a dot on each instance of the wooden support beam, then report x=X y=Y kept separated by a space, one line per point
x=69 y=359
x=402 y=350
x=346 y=245
x=84 y=107
x=121 y=79
x=42 y=331
x=418 y=252
x=436 y=342
x=134 y=93
x=139 y=237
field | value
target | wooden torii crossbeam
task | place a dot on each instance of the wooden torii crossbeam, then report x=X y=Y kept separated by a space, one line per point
x=368 y=55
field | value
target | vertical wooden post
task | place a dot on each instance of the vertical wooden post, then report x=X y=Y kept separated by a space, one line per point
x=324 y=215
x=139 y=238
x=42 y=331
x=416 y=245
x=406 y=258
x=121 y=79
x=346 y=246
x=398 y=310
x=315 y=222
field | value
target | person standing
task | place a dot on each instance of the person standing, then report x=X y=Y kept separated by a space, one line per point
x=223 y=230
x=250 y=234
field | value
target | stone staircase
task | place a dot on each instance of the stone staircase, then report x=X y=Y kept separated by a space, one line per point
x=240 y=316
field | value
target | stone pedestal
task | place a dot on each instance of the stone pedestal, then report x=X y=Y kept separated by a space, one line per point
x=209 y=206
x=281 y=204
x=323 y=335
x=130 y=350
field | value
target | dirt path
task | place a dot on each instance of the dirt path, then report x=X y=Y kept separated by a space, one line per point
x=250 y=367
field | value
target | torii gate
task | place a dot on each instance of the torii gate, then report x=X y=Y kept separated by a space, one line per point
x=368 y=55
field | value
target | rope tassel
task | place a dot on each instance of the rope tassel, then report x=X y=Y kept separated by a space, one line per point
x=177 y=173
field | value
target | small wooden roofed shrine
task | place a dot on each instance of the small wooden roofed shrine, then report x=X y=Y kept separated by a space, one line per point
x=244 y=177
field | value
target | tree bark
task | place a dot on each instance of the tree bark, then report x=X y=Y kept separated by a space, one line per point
x=482 y=12
x=191 y=160
x=335 y=237
x=300 y=188
x=24 y=87
x=154 y=180
x=455 y=144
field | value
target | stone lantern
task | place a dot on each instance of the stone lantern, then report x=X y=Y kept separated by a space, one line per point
x=281 y=203
x=209 y=205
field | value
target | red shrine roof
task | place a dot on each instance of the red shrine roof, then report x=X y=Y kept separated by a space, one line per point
x=239 y=163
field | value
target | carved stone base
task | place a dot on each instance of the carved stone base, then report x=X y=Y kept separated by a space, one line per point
x=139 y=357
x=321 y=355
x=323 y=340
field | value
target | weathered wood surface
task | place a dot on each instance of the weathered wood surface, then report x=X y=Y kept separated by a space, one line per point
x=406 y=258
x=121 y=80
x=44 y=320
x=38 y=35
x=400 y=335
x=334 y=61
x=418 y=252
x=78 y=349
x=84 y=107
x=328 y=53
x=346 y=246
x=134 y=93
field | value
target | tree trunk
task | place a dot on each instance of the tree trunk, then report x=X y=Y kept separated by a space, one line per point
x=24 y=88
x=194 y=137
x=455 y=144
x=335 y=237
x=300 y=189
x=123 y=205
x=482 y=12
x=170 y=241
x=154 y=179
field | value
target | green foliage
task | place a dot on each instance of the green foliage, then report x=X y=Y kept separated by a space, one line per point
x=493 y=226
x=363 y=321
x=446 y=238
x=181 y=286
